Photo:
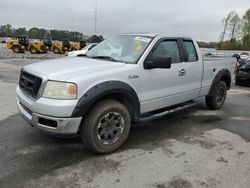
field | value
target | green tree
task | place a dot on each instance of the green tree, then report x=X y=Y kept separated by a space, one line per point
x=234 y=26
x=20 y=31
x=246 y=30
x=95 y=39
x=6 y=30
x=225 y=27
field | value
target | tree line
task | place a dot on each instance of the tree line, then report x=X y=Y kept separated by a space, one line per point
x=38 y=33
x=237 y=29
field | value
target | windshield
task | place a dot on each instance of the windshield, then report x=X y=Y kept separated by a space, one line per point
x=123 y=48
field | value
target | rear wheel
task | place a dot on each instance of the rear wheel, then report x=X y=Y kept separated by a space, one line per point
x=33 y=50
x=106 y=127
x=218 y=97
x=16 y=49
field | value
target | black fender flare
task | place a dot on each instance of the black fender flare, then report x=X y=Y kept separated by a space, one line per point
x=103 y=89
x=218 y=77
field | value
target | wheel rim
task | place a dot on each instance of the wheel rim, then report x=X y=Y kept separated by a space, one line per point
x=110 y=128
x=221 y=94
x=16 y=50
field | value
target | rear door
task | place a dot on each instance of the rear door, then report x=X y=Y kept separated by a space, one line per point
x=180 y=83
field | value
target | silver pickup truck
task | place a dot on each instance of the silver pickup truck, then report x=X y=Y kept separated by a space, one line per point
x=98 y=95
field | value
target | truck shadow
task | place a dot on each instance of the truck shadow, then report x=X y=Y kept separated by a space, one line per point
x=177 y=125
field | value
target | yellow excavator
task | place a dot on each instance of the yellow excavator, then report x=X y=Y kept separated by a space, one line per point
x=18 y=45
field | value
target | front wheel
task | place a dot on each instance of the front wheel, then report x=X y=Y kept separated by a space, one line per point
x=16 y=49
x=56 y=50
x=106 y=127
x=218 y=97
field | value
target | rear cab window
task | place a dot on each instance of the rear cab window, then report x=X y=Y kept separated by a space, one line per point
x=190 y=51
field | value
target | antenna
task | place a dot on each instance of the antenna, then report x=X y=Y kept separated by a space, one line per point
x=95 y=15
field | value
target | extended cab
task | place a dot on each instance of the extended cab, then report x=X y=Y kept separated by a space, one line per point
x=97 y=96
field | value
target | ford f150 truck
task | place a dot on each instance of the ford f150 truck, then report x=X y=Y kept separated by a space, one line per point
x=98 y=95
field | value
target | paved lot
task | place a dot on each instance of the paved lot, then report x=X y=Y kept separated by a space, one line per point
x=191 y=148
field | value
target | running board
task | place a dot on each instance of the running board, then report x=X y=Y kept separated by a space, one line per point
x=169 y=110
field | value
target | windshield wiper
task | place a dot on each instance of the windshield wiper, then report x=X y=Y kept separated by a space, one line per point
x=104 y=57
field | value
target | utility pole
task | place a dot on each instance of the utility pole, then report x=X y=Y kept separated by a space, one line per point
x=72 y=24
x=95 y=15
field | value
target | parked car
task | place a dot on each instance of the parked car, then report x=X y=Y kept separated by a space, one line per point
x=244 y=55
x=82 y=51
x=99 y=95
x=242 y=75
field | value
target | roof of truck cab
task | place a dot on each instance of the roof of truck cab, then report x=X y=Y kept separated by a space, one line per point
x=157 y=34
x=143 y=34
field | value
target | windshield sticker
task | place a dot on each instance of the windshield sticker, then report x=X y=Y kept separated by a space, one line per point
x=144 y=39
x=138 y=47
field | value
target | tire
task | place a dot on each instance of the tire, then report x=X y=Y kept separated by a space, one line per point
x=16 y=49
x=56 y=50
x=33 y=50
x=106 y=127
x=218 y=97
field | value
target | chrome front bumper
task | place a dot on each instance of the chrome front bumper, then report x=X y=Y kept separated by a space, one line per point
x=54 y=125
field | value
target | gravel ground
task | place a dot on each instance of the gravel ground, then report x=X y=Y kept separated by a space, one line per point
x=195 y=147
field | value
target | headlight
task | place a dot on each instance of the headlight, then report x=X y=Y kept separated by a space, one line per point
x=60 y=90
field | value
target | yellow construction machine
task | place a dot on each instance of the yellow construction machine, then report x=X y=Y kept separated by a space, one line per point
x=37 y=47
x=48 y=43
x=77 y=45
x=22 y=44
x=60 y=47
x=18 y=45
x=74 y=46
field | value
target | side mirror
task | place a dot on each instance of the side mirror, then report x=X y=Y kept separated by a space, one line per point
x=161 y=62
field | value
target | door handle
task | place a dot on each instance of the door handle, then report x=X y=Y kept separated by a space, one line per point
x=182 y=72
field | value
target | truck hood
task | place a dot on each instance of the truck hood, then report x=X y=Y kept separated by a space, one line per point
x=66 y=68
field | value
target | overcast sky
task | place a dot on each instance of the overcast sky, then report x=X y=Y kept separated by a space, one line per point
x=200 y=19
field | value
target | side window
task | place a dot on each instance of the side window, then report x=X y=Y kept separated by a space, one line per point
x=191 y=51
x=168 y=49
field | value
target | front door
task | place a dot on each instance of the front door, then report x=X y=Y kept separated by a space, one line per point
x=166 y=87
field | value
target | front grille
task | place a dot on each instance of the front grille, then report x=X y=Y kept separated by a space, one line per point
x=30 y=84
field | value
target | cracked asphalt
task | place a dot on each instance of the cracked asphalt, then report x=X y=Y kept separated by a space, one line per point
x=194 y=147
